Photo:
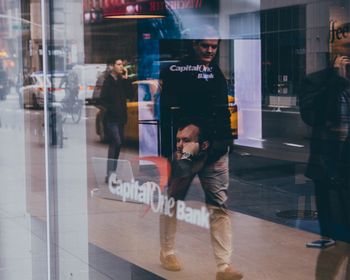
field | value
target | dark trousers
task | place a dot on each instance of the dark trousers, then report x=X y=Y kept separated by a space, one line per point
x=116 y=135
x=332 y=202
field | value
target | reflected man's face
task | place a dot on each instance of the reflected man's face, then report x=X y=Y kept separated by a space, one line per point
x=188 y=134
x=118 y=67
x=205 y=50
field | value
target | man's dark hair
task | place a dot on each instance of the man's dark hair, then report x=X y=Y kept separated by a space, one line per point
x=197 y=41
x=112 y=60
x=204 y=133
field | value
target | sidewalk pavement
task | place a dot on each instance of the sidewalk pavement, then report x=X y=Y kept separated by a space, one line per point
x=262 y=250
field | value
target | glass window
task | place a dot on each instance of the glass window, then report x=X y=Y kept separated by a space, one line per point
x=152 y=139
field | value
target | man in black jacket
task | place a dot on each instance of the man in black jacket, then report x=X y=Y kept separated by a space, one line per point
x=196 y=88
x=325 y=105
x=115 y=91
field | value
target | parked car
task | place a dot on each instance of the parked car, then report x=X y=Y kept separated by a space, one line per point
x=88 y=75
x=33 y=89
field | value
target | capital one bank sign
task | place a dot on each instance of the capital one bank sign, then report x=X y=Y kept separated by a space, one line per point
x=150 y=194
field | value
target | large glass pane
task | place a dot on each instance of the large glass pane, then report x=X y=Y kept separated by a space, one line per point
x=137 y=78
x=23 y=195
x=66 y=124
x=151 y=139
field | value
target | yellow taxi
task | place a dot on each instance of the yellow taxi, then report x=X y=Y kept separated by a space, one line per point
x=232 y=107
x=145 y=109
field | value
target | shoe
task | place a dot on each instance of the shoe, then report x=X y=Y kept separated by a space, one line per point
x=170 y=262
x=321 y=243
x=229 y=274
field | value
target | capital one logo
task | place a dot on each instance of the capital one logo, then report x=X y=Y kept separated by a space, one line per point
x=150 y=193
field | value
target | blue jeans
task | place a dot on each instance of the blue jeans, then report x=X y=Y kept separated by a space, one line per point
x=116 y=135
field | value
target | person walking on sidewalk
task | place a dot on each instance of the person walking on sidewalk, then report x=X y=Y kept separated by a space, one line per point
x=196 y=88
x=193 y=147
x=115 y=91
x=325 y=105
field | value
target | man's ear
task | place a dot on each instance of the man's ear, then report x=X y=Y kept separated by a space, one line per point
x=204 y=145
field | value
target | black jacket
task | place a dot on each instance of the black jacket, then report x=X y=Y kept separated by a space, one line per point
x=114 y=95
x=190 y=91
x=329 y=147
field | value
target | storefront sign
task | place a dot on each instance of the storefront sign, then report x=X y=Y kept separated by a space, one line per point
x=338 y=33
x=184 y=4
x=113 y=8
x=53 y=52
x=339 y=38
x=150 y=194
x=153 y=5
x=135 y=9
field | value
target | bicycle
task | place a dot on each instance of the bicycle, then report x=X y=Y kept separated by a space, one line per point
x=73 y=108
